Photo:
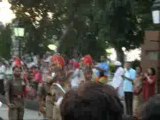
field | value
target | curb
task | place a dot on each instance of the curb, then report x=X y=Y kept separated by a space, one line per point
x=29 y=104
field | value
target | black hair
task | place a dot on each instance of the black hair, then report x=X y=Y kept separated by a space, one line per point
x=153 y=71
x=151 y=109
x=92 y=101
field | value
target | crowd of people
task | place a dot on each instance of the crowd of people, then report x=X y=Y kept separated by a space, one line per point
x=134 y=86
x=76 y=89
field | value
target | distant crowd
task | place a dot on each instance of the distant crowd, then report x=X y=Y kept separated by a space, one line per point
x=89 y=92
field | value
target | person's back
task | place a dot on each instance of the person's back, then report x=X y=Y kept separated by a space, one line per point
x=92 y=101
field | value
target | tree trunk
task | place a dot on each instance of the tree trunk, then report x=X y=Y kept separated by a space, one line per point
x=120 y=55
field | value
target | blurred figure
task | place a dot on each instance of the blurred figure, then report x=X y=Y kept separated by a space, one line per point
x=88 y=74
x=15 y=89
x=149 y=84
x=37 y=77
x=151 y=109
x=77 y=76
x=87 y=68
x=46 y=99
x=102 y=78
x=47 y=95
x=137 y=99
x=92 y=101
x=103 y=68
x=118 y=80
x=128 y=87
x=2 y=76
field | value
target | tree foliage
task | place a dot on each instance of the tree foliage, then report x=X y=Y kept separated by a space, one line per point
x=5 y=42
x=84 y=26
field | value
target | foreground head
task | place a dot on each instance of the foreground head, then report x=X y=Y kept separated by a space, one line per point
x=92 y=101
x=151 y=110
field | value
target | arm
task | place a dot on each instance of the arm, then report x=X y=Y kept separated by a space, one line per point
x=129 y=79
x=133 y=76
x=7 y=91
x=100 y=69
x=150 y=80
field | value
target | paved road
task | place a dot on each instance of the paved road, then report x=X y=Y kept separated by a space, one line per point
x=29 y=114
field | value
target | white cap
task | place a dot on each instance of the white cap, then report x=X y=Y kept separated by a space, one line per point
x=117 y=63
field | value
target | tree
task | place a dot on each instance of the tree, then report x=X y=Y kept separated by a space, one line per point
x=68 y=22
x=119 y=25
x=86 y=26
x=5 y=42
x=37 y=19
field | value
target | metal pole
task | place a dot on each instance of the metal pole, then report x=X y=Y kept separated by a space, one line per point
x=19 y=45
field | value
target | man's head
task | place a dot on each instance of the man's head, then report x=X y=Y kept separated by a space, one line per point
x=127 y=65
x=151 y=110
x=88 y=74
x=92 y=101
x=57 y=63
x=17 y=71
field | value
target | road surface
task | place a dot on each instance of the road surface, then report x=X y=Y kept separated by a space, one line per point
x=29 y=114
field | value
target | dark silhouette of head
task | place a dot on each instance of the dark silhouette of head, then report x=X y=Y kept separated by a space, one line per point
x=151 y=109
x=92 y=101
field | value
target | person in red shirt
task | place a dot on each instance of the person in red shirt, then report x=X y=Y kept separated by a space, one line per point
x=149 y=84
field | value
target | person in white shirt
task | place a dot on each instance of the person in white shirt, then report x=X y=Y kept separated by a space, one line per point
x=117 y=82
x=77 y=78
x=2 y=76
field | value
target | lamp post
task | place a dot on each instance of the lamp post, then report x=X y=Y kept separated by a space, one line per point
x=156 y=12
x=19 y=34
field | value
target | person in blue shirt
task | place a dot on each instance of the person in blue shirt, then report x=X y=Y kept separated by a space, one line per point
x=103 y=67
x=129 y=77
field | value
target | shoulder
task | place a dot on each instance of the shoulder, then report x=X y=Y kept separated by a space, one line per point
x=121 y=69
x=132 y=70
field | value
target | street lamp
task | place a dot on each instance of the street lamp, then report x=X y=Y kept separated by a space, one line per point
x=19 y=33
x=156 y=12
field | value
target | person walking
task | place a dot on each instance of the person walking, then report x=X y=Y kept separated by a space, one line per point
x=129 y=77
x=49 y=96
x=15 y=89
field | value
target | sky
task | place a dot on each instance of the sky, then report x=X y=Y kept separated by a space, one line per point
x=130 y=55
x=6 y=14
